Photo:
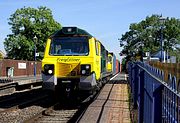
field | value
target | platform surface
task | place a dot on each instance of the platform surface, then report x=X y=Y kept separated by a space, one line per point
x=112 y=104
x=21 y=80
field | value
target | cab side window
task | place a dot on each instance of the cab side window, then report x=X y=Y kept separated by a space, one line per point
x=110 y=59
x=97 y=48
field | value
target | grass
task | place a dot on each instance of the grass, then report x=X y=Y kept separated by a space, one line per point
x=133 y=111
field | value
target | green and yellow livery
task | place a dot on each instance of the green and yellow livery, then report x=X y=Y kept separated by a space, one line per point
x=74 y=59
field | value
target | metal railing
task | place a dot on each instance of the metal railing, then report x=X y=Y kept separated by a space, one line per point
x=156 y=100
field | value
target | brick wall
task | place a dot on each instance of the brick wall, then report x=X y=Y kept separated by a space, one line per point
x=20 y=67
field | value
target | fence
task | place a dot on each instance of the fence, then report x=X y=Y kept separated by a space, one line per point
x=157 y=101
x=173 y=68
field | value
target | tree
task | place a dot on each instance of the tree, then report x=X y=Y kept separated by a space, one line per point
x=146 y=36
x=26 y=23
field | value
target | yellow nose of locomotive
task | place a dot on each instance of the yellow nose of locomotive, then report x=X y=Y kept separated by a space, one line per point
x=68 y=70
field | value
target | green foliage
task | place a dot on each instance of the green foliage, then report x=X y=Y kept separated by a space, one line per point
x=146 y=36
x=26 y=23
x=176 y=53
x=124 y=64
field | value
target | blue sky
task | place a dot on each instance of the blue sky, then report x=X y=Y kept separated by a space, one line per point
x=107 y=20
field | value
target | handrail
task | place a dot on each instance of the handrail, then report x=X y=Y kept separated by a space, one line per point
x=156 y=100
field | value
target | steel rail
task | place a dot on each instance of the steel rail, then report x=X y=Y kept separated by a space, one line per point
x=23 y=104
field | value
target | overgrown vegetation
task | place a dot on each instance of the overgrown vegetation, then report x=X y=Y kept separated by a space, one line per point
x=133 y=111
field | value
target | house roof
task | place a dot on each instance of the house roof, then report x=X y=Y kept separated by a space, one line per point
x=158 y=55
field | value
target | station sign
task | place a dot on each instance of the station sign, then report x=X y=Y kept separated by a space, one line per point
x=21 y=65
x=37 y=54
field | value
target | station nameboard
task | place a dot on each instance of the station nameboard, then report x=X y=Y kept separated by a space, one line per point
x=21 y=65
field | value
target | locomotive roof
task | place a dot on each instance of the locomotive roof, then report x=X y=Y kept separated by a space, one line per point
x=71 y=31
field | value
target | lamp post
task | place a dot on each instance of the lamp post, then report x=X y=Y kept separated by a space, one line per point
x=35 y=40
x=141 y=52
x=162 y=20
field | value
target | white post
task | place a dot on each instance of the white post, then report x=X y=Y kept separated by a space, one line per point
x=164 y=56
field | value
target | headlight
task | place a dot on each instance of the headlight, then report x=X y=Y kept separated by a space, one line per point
x=86 y=69
x=49 y=69
x=83 y=72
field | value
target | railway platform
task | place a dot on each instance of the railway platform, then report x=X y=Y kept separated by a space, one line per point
x=10 y=84
x=20 y=79
x=111 y=105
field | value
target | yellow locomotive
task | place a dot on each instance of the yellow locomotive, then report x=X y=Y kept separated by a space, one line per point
x=74 y=60
x=111 y=66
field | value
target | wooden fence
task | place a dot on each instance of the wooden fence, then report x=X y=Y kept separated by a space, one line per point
x=168 y=68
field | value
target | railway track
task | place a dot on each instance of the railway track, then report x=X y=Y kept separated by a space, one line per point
x=17 y=109
x=21 y=114
x=16 y=98
x=55 y=113
x=14 y=86
x=24 y=104
x=6 y=88
x=45 y=110
x=63 y=111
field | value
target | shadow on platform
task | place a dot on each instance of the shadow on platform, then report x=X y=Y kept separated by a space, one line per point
x=118 y=82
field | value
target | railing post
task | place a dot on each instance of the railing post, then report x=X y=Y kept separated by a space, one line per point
x=130 y=74
x=157 y=103
x=135 y=82
x=141 y=97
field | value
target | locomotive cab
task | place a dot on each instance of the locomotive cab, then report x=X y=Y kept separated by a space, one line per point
x=110 y=63
x=72 y=60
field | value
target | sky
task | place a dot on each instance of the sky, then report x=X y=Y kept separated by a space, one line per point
x=106 y=20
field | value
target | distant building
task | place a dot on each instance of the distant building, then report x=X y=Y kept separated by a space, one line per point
x=172 y=59
x=168 y=58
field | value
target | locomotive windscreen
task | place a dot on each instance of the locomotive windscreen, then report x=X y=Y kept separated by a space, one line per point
x=69 y=46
